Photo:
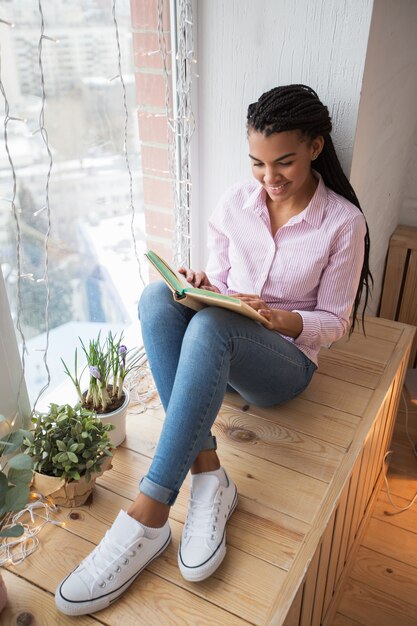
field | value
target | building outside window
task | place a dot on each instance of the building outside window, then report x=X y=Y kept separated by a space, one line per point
x=92 y=266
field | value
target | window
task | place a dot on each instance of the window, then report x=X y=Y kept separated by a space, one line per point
x=93 y=270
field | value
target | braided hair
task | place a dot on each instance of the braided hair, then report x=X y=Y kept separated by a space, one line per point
x=297 y=107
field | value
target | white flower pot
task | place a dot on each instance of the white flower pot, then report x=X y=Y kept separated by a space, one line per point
x=118 y=419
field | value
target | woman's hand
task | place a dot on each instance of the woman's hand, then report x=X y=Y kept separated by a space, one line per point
x=286 y=322
x=256 y=303
x=197 y=279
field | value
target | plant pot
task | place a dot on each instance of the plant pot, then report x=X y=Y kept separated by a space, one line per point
x=3 y=593
x=118 y=419
x=67 y=493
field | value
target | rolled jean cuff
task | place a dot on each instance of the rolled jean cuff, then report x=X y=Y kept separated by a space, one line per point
x=157 y=492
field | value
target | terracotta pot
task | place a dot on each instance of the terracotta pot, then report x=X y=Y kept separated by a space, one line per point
x=3 y=593
x=67 y=493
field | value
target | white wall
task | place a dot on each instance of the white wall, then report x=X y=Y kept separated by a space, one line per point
x=385 y=143
x=245 y=47
x=408 y=209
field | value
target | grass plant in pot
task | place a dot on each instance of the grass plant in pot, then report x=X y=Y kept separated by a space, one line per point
x=14 y=486
x=70 y=447
x=108 y=365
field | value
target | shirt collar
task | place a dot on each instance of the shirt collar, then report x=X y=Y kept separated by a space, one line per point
x=313 y=213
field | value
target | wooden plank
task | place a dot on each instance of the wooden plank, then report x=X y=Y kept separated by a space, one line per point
x=242 y=584
x=336 y=547
x=28 y=604
x=375 y=608
x=363 y=350
x=406 y=520
x=402 y=473
x=328 y=423
x=408 y=309
x=358 y=373
x=338 y=394
x=353 y=486
x=323 y=572
x=405 y=236
x=288 y=447
x=357 y=508
x=259 y=436
x=310 y=590
x=366 y=478
x=379 y=327
x=343 y=620
x=401 y=545
x=294 y=614
x=392 y=370
x=386 y=574
x=392 y=282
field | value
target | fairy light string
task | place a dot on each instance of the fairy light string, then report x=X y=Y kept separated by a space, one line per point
x=180 y=118
x=125 y=138
x=33 y=518
x=8 y=118
x=44 y=134
x=185 y=125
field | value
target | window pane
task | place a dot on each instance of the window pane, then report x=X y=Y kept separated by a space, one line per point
x=93 y=272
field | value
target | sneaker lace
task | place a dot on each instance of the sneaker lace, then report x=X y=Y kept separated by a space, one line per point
x=202 y=518
x=104 y=557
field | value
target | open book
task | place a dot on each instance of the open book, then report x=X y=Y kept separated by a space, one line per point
x=196 y=298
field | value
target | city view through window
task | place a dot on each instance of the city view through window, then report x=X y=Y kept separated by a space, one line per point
x=93 y=272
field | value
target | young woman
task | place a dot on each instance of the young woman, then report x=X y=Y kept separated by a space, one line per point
x=294 y=244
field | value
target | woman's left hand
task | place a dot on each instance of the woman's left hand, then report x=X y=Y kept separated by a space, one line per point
x=288 y=323
x=255 y=302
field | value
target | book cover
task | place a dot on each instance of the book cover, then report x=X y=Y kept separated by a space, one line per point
x=196 y=298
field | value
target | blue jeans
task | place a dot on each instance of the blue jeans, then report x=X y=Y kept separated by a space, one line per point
x=193 y=357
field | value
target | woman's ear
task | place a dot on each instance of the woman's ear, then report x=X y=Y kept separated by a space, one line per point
x=316 y=147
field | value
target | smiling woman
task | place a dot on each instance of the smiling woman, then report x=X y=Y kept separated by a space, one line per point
x=293 y=245
x=281 y=162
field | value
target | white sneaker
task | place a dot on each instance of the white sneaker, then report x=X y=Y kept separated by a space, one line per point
x=111 y=567
x=203 y=543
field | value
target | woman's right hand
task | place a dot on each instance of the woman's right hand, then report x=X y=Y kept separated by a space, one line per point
x=197 y=279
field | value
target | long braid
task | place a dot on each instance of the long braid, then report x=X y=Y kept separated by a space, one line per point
x=297 y=107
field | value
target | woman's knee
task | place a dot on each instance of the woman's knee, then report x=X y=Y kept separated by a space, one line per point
x=211 y=325
x=154 y=294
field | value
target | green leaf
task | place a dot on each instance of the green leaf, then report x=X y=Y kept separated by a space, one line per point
x=16 y=498
x=61 y=446
x=14 y=531
x=20 y=476
x=20 y=462
x=61 y=457
x=72 y=457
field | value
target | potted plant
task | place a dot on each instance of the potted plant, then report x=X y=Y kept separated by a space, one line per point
x=70 y=447
x=14 y=486
x=108 y=365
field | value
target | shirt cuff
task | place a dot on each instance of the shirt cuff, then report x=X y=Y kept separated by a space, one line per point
x=311 y=328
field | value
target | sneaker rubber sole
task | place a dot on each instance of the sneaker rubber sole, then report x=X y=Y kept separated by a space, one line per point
x=85 y=607
x=201 y=572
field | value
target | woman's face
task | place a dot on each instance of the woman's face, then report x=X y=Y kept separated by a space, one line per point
x=282 y=163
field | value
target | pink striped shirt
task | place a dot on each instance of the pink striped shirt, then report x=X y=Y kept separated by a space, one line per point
x=311 y=266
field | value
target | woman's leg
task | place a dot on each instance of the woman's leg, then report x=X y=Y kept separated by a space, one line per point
x=219 y=346
x=164 y=323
